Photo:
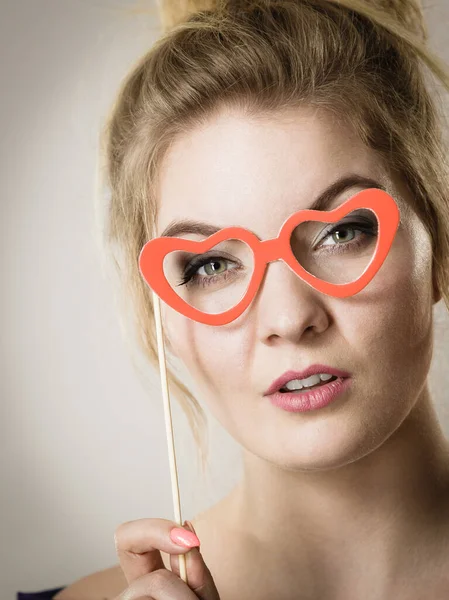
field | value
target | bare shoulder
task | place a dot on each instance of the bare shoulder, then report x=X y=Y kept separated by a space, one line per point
x=101 y=585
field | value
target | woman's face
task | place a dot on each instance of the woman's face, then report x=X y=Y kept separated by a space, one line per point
x=238 y=171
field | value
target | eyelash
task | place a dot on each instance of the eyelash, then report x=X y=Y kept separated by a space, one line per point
x=195 y=264
x=369 y=228
x=189 y=270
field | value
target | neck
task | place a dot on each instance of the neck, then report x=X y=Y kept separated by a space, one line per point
x=374 y=507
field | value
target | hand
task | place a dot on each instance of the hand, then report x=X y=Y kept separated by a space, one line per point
x=138 y=545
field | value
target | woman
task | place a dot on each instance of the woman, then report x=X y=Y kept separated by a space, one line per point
x=241 y=116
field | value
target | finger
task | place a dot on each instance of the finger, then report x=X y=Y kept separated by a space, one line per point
x=138 y=544
x=159 y=585
x=199 y=577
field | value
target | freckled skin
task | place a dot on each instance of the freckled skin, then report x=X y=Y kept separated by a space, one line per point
x=237 y=171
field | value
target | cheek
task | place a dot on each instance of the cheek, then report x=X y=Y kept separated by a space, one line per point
x=210 y=354
x=409 y=290
x=392 y=318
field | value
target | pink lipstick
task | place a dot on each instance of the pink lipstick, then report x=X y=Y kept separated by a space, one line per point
x=312 y=398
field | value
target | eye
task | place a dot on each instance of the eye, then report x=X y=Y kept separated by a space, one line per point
x=212 y=267
x=345 y=232
x=336 y=233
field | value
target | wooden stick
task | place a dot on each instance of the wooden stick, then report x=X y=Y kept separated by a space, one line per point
x=169 y=427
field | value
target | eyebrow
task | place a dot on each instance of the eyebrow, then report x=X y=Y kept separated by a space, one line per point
x=186 y=226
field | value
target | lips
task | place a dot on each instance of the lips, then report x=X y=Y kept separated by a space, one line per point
x=284 y=389
x=311 y=370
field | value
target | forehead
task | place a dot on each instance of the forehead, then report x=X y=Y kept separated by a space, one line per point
x=255 y=171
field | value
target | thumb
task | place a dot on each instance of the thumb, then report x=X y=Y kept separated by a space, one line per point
x=199 y=578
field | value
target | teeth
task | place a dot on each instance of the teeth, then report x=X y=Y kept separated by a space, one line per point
x=298 y=384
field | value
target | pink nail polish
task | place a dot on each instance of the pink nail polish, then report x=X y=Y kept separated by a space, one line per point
x=184 y=538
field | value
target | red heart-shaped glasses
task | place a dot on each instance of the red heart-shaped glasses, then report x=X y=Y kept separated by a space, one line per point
x=151 y=259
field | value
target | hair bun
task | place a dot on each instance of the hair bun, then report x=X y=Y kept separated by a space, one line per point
x=173 y=12
x=407 y=13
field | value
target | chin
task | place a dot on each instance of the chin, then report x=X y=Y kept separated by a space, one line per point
x=318 y=461
x=326 y=447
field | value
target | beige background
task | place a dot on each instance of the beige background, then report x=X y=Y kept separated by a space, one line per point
x=83 y=439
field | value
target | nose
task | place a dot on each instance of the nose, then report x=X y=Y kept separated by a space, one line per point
x=287 y=307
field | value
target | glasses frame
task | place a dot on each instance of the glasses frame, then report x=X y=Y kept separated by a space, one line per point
x=153 y=253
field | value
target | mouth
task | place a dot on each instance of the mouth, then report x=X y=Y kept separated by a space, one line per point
x=310 y=398
x=304 y=389
x=317 y=374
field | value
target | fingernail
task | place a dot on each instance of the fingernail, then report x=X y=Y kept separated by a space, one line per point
x=184 y=538
x=190 y=526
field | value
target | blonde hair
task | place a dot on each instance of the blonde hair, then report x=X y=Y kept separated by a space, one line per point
x=362 y=60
